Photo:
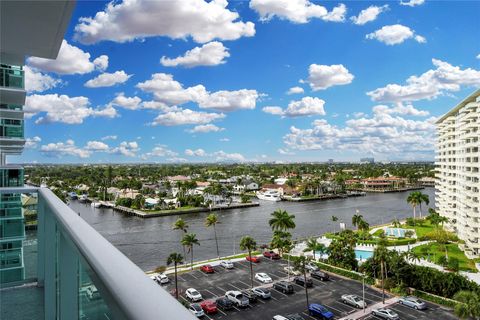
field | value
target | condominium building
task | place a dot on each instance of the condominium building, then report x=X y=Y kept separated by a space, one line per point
x=458 y=171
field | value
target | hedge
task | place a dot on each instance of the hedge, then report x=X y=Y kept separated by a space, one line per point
x=434 y=298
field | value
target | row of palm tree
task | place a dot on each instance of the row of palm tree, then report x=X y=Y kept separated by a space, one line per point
x=416 y=198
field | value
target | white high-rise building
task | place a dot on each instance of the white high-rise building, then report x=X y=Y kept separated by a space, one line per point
x=458 y=171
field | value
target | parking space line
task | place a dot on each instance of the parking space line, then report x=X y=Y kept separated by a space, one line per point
x=213 y=294
x=308 y=316
x=329 y=306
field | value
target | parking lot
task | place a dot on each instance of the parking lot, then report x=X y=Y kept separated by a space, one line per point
x=327 y=293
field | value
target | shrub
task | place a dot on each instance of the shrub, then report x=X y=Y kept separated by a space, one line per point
x=453 y=264
x=442 y=260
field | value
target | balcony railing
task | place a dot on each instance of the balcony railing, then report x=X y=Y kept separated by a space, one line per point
x=84 y=276
x=11 y=77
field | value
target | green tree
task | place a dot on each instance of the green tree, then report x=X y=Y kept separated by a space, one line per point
x=381 y=254
x=313 y=245
x=415 y=199
x=469 y=305
x=211 y=221
x=249 y=244
x=181 y=226
x=189 y=240
x=334 y=219
x=356 y=219
x=299 y=264
x=282 y=220
x=176 y=259
x=341 y=251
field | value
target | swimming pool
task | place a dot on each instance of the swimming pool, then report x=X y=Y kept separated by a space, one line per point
x=363 y=254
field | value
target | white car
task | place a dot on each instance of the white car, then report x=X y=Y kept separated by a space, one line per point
x=311 y=267
x=237 y=298
x=279 y=317
x=196 y=310
x=291 y=270
x=385 y=314
x=353 y=300
x=226 y=264
x=263 y=277
x=161 y=278
x=193 y=294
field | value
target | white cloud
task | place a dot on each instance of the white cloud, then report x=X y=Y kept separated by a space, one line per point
x=110 y=137
x=224 y=140
x=369 y=14
x=108 y=79
x=131 y=103
x=196 y=153
x=278 y=111
x=478 y=56
x=381 y=134
x=295 y=90
x=37 y=81
x=97 y=146
x=204 y=128
x=210 y=54
x=285 y=151
x=64 y=149
x=412 y=3
x=297 y=11
x=101 y=63
x=186 y=116
x=70 y=60
x=160 y=151
x=32 y=143
x=230 y=100
x=128 y=149
x=429 y=85
x=307 y=106
x=138 y=19
x=107 y=112
x=171 y=92
x=321 y=77
x=400 y=109
x=62 y=108
x=223 y=156
x=395 y=34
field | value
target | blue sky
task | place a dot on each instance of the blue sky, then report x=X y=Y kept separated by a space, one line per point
x=370 y=79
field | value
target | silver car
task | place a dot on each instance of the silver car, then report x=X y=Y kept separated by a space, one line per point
x=226 y=264
x=353 y=300
x=413 y=302
x=385 y=313
x=262 y=293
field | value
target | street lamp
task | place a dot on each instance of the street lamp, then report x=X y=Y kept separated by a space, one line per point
x=363 y=290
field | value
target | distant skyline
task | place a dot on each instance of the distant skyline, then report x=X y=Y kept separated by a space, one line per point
x=259 y=80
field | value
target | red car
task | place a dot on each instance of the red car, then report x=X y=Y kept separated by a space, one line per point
x=207 y=268
x=271 y=255
x=209 y=306
x=253 y=259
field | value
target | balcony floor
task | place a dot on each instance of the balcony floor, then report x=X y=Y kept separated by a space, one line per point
x=22 y=303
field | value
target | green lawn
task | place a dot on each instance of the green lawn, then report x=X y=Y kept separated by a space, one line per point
x=185 y=208
x=422 y=230
x=435 y=251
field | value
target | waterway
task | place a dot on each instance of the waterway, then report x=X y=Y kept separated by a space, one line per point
x=148 y=242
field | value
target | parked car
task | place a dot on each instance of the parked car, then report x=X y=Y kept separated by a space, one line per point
x=353 y=300
x=263 y=277
x=224 y=303
x=292 y=270
x=283 y=286
x=161 y=278
x=279 y=317
x=413 y=302
x=92 y=292
x=237 y=298
x=209 y=306
x=311 y=267
x=196 y=310
x=253 y=259
x=271 y=255
x=317 y=310
x=300 y=280
x=385 y=313
x=207 y=268
x=251 y=296
x=193 y=294
x=226 y=264
x=294 y=316
x=320 y=275
x=262 y=293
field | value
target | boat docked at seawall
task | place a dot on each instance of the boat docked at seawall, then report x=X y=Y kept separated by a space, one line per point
x=269 y=195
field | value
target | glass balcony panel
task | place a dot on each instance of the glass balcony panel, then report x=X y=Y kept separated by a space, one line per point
x=11 y=77
x=91 y=303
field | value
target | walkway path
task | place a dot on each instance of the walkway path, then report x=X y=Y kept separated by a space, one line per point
x=360 y=314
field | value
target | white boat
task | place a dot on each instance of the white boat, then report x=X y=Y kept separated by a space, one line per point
x=269 y=195
x=96 y=204
x=83 y=198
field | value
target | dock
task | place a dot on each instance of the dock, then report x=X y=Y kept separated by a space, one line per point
x=325 y=197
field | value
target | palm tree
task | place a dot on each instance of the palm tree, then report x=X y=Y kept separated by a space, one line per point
x=423 y=198
x=188 y=241
x=281 y=220
x=414 y=200
x=312 y=245
x=175 y=258
x=334 y=219
x=300 y=266
x=181 y=225
x=356 y=219
x=469 y=305
x=210 y=221
x=248 y=243
x=381 y=254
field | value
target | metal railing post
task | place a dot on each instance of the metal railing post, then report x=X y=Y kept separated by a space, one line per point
x=68 y=279
x=50 y=256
